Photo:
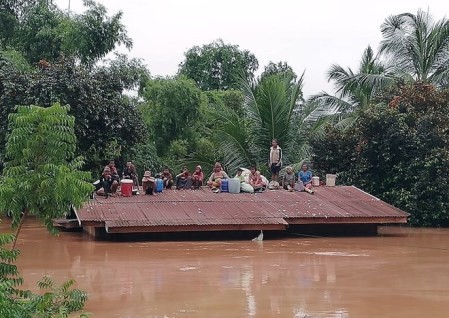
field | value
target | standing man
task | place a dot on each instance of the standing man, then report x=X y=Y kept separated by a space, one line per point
x=275 y=160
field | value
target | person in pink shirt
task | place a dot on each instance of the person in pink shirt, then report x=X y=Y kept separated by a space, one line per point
x=197 y=177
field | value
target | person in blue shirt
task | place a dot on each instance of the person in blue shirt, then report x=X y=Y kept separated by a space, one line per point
x=305 y=176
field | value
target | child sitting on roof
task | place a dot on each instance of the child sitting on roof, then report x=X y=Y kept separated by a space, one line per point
x=197 y=177
x=244 y=186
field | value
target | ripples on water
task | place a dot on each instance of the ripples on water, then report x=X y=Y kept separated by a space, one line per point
x=401 y=273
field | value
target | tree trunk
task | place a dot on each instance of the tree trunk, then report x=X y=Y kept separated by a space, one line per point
x=16 y=236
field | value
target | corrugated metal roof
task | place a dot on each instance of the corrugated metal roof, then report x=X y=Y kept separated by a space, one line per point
x=202 y=207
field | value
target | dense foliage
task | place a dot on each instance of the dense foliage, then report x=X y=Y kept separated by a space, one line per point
x=103 y=115
x=170 y=109
x=273 y=109
x=216 y=108
x=417 y=47
x=42 y=176
x=398 y=151
x=218 y=66
x=41 y=31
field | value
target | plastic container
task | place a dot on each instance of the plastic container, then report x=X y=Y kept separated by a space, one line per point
x=224 y=187
x=316 y=181
x=126 y=187
x=330 y=180
x=159 y=185
x=234 y=185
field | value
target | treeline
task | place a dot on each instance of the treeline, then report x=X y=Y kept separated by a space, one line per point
x=385 y=128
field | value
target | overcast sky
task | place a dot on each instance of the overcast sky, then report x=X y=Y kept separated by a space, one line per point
x=308 y=35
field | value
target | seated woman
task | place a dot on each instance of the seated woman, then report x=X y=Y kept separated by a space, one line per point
x=183 y=180
x=148 y=183
x=215 y=178
x=167 y=178
x=289 y=179
x=197 y=177
x=255 y=180
x=305 y=176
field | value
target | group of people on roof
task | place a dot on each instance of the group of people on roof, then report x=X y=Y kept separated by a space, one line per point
x=251 y=180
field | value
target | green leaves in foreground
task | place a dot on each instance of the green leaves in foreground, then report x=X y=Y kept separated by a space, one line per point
x=54 y=301
x=41 y=175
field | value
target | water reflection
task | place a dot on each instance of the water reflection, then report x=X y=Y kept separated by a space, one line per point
x=405 y=274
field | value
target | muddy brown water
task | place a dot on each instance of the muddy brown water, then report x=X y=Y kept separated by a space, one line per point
x=403 y=272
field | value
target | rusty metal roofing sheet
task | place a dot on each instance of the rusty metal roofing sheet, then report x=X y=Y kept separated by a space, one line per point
x=202 y=207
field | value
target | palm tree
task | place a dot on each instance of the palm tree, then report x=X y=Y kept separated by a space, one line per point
x=417 y=47
x=355 y=90
x=273 y=110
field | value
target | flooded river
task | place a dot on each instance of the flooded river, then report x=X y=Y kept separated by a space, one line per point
x=401 y=273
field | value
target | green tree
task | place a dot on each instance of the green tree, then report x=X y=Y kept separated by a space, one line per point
x=93 y=34
x=11 y=13
x=38 y=34
x=271 y=111
x=418 y=47
x=103 y=114
x=41 y=176
x=218 y=66
x=41 y=31
x=10 y=281
x=397 y=151
x=355 y=90
x=170 y=109
x=279 y=68
x=231 y=98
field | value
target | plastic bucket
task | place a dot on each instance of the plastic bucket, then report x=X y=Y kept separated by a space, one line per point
x=315 y=181
x=159 y=185
x=224 y=187
x=126 y=187
x=330 y=180
x=234 y=185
